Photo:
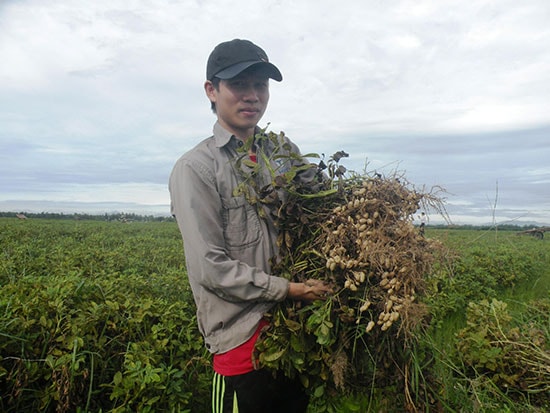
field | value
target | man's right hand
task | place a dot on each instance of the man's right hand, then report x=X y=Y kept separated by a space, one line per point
x=309 y=291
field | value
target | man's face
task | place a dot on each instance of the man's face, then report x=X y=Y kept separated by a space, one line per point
x=240 y=101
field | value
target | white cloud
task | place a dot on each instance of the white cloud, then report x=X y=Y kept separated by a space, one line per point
x=110 y=93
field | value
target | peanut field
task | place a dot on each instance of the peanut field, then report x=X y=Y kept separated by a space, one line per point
x=98 y=317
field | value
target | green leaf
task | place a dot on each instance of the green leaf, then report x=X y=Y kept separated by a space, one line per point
x=270 y=358
x=311 y=155
x=117 y=379
x=249 y=163
x=292 y=325
x=319 y=391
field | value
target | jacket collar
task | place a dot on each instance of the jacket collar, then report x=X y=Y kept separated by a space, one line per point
x=223 y=137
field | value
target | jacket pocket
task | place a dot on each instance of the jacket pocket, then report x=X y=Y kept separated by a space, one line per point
x=241 y=224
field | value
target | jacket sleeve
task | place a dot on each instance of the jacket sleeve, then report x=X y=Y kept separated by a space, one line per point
x=197 y=207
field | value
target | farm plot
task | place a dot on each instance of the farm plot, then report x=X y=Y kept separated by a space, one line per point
x=98 y=316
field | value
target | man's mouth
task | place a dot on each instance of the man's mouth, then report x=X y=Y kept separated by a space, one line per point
x=249 y=111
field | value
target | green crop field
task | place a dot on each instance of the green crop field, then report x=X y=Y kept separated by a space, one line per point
x=98 y=317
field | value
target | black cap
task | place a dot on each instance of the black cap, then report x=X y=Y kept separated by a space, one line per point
x=228 y=59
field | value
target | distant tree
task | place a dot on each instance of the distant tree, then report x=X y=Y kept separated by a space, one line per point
x=118 y=216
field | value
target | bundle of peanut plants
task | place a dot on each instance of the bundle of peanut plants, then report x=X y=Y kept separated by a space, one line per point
x=356 y=233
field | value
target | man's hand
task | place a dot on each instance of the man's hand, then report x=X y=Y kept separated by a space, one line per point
x=309 y=291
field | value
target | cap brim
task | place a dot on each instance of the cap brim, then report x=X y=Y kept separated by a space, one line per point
x=270 y=70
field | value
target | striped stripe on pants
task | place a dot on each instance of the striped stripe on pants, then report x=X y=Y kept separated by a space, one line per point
x=218 y=395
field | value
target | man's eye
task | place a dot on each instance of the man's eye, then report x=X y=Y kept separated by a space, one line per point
x=241 y=85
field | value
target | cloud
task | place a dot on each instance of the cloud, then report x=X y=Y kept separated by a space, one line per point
x=102 y=97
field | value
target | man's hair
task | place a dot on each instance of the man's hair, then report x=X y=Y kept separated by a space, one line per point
x=216 y=83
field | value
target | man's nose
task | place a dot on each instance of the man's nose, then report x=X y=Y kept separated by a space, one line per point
x=250 y=94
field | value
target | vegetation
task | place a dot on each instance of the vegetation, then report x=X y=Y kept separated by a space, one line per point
x=98 y=316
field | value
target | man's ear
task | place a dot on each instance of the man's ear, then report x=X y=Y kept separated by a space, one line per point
x=210 y=90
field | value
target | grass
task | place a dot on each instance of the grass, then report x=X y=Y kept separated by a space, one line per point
x=462 y=388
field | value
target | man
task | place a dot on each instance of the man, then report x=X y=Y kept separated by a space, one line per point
x=228 y=243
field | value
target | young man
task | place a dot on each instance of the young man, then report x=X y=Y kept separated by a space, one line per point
x=228 y=245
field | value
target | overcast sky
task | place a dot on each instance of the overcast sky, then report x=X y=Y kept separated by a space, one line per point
x=99 y=98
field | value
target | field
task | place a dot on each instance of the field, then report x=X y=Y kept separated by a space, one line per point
x=98 y=316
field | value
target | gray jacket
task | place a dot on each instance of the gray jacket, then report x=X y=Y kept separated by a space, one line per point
x=227 y=245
